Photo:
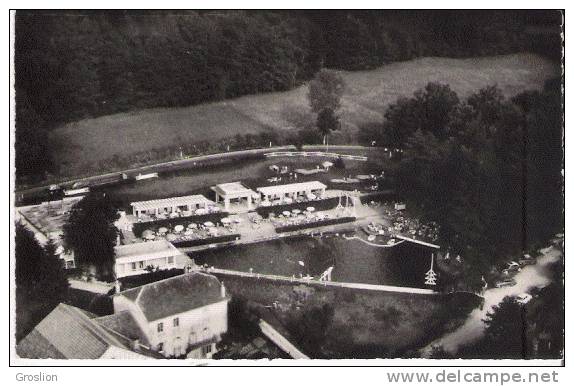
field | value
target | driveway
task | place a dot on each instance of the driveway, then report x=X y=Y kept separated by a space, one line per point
x=531 y=276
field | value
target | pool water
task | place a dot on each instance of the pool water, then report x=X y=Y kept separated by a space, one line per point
x=353 y=261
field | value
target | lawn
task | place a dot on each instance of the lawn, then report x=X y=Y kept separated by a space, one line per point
x=80 y=146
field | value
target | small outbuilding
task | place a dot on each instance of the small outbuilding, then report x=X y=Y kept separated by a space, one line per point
x=234 y=192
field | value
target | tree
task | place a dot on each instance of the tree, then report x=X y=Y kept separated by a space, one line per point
x=91 y=234
x=325 y=92
x=435 y=104
x=438 y=352
x=506 y=328
x=429 y=110
x=40 y=280
x=327 y=121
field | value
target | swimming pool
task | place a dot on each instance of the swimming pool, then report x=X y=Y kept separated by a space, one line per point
x=353 y=261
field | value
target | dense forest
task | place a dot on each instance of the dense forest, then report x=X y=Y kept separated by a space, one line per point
x=487 y=168
x=77 y=64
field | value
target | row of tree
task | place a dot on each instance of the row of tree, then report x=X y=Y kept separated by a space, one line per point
x=40 y=280
x=487 y=168
x=76 y=64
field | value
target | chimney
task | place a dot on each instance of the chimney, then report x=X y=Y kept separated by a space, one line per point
x=222 y=290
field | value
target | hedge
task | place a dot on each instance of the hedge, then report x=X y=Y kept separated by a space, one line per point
x=128 y=282
x=210 y=240
x=333 y=221
x=326 y=204
x=139 y=227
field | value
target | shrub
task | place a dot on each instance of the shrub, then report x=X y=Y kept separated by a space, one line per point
x=339 y=163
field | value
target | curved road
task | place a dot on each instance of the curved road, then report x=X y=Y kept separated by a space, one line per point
x=531 y=276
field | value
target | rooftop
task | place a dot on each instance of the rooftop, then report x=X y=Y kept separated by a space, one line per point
x=157 y=247
x=123 y=323
x=297 y=187
x=171 y=201
x=232 y=188
x=67 y=333
x=175 y=295
x=50 y=216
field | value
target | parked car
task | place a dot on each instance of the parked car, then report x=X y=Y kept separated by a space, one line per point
x=513 y=266
x=523 y=298
x=505 y=283
x=527 y=260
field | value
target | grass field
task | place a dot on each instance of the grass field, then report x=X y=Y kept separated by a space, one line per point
x=81 y=145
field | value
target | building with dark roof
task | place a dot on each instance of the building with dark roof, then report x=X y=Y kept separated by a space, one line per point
x=71 y=333
x=180 y=316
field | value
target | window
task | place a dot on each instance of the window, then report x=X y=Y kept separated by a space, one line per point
x=176 y=322
x=160 y=346
x=206 y=349
x=160 y=327
x=141 y=264
x=170 y=259
x=133 y=266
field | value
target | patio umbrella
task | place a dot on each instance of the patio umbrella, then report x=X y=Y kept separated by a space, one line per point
x=192 y=226
x=178 y=228
x=296 y=211
x=286 y=213
x=201 y=211
x=162 y=230
x=148 y=234
x=327 y=164
x=208 y=224
x=310 y=209
x=225 y=220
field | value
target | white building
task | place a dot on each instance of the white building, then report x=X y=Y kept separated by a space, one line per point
x=308 y=190
x=182 y=315
x=133 y=259
x=46 y=221
x=234 y=192
x=184 y=204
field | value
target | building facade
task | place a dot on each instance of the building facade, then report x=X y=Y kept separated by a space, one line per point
x=180 y=316
x=139 y=258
